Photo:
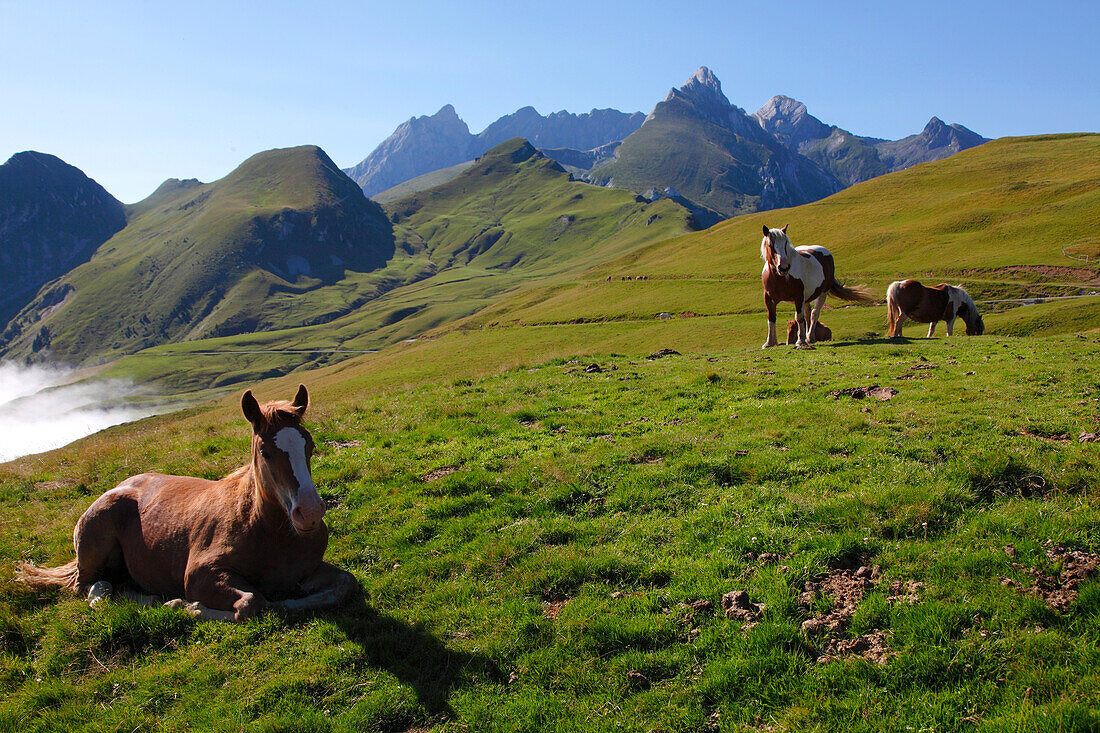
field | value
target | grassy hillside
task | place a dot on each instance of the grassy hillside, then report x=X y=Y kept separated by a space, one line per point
x=993 y=218
x=207 y=260
x=548 y=547
x=512 y=222
x=420 y=183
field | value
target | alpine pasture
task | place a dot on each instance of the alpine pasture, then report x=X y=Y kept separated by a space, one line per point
x=558 y=523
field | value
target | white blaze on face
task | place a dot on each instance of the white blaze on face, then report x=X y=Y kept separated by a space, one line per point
x=291 y=442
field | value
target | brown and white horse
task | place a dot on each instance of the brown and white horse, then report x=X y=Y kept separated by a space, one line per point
x=221 y=549
x=803 y=276
x=909 y=299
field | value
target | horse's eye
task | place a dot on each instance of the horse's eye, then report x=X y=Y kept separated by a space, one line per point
x=265 y=452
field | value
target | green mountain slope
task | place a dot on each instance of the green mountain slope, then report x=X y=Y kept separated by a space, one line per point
x=512 y=222
x=198 y=260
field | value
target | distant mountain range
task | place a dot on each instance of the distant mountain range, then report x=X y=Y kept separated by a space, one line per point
x=694 y=146
x=425 y=144
x=852 y=158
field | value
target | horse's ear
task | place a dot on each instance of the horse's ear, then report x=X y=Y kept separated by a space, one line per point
x=251 y=409
x=766 y=230
x=301 y=400
x=784 y=229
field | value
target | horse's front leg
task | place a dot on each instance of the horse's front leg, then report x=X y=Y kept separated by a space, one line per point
x=328 y=587
x=802 y=315
x=771 y=324
x=931 y=329
x=815 y=316
x=214 y=594
x=951 y=326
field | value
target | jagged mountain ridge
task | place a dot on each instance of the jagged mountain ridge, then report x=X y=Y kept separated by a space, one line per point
x=197 y=260
x=52 y=218
x=853 y=158
x=697 y=145
x=428 y=143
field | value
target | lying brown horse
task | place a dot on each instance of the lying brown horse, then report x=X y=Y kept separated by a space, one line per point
x=909 y=299
x=821 y=332
x=221 y=549
x=803 y=276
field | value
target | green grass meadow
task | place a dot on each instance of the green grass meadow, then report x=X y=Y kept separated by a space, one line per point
x=530 y=543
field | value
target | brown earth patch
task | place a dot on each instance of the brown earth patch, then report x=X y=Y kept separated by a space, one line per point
x=858 y=393
x=845 y=587
x=438 y=473
x=1060 y=591
x=737 y=605
x=343 y=443
x=553 y=609
x=663 y=353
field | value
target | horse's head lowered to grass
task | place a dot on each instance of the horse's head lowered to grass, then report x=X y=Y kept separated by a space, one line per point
x=281 y=452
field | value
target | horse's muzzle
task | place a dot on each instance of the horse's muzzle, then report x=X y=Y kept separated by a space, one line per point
x=783 y=270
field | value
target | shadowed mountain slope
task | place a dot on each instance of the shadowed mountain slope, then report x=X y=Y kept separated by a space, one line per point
x=52 y=218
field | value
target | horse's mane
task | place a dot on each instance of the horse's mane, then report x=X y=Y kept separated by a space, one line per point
x=281 y=414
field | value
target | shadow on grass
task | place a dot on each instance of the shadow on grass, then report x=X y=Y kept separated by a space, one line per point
x=415 y=657
x=897 y=340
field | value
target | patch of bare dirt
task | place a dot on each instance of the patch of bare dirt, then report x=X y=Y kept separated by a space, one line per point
x=663 y=353
x=1053 y=437
x=737 y=605
x=1088 y=438
x=858 y=393
x=1058 y=592
x=438 y=473
x=872 y=647
x=845 y=588
x=343 y=443
x=552 y=609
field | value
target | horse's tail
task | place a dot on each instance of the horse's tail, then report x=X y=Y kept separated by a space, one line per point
x=893 y=310
x=39 y=578
x=857 y=294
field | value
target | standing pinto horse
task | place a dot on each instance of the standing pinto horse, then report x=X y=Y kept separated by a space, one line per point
x=803 y=276
x=222 y=549
x=909 y=299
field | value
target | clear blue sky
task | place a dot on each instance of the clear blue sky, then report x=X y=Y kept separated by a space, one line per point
x=136 y=92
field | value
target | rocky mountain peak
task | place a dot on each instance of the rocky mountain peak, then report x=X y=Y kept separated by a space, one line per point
x=790 y=121
x=704 y=89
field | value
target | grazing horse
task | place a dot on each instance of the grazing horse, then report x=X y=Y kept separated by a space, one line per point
x=221 y=549
x=803 y=276
x=909 y=299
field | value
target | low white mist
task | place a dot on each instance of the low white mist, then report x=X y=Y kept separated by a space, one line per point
x=42 y=408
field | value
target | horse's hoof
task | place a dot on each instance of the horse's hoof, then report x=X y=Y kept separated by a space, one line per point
x=99 y=591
